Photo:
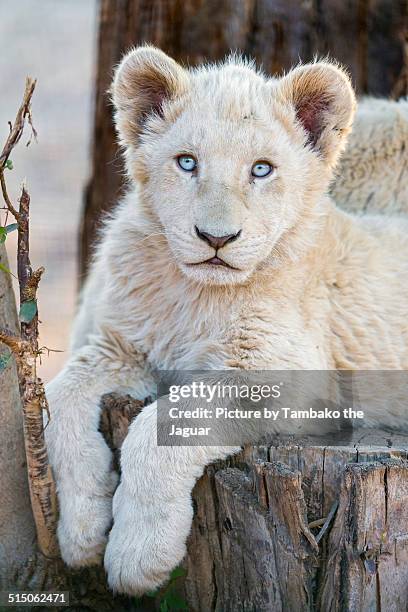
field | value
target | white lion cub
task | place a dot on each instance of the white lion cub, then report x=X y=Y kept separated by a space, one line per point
x=225 y=253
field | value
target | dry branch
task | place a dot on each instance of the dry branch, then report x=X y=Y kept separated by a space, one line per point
x=11 y=340
x=26 y=351
x=16 y=131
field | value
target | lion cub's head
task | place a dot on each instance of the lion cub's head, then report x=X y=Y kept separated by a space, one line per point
x=231 y=164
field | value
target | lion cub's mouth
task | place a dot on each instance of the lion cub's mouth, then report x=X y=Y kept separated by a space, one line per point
x=214 y=261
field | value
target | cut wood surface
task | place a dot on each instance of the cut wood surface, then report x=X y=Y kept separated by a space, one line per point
x=292 y=528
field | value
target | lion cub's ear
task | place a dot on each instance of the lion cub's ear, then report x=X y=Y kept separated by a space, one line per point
x=324 y=103
x=144 y=80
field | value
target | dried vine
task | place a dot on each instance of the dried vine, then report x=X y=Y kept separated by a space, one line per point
x=25 y=347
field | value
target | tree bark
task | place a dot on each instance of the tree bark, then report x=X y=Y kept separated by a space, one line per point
x=368 y=37
x=289 y=528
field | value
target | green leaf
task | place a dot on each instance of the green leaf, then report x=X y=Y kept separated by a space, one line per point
x=9 y=164
x=178 y=572
x=28 y=310
x=6 y=230
x=4 y=269
x=5 y=359
x=175 y=602
x=170 y=600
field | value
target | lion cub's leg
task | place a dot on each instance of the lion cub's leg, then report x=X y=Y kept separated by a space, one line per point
x=152 y=507
x=80 y=459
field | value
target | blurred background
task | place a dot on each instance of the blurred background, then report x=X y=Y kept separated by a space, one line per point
x=53 y=41
x=74 y=172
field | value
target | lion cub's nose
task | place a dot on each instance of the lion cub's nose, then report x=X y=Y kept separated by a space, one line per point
x=217 y=242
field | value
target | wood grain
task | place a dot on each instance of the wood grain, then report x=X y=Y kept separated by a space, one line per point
x=251 y=546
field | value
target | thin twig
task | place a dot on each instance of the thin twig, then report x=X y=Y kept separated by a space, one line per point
x=30 y=290
x=327 y=522
x=9 y=205
x=17 y=128
x=23 y=246
x=11 y=340
x=317 y=523
x=16 y=131
x=26 y=351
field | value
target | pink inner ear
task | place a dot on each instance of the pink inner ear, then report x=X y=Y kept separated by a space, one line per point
x=310 y=112
x=154 y=94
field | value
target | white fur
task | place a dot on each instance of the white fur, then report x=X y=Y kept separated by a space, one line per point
x=315 y=288
x=373 y=173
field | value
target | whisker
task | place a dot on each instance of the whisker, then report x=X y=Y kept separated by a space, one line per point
x=150 y=236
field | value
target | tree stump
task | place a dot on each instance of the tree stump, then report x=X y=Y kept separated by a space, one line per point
x=289 y=528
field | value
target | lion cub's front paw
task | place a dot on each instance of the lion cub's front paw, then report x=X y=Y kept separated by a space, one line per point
x=146 y=542
x=82 y=529
x=85 y=518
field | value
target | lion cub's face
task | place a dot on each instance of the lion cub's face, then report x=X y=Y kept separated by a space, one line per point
x=231 y=164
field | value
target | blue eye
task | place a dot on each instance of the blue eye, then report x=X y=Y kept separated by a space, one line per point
x=187 y=163
x=260 y=169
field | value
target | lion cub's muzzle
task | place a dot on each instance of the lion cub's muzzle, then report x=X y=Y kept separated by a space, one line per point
x=217 y=242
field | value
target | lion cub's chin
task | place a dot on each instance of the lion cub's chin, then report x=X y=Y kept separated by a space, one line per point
x=209 y=274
